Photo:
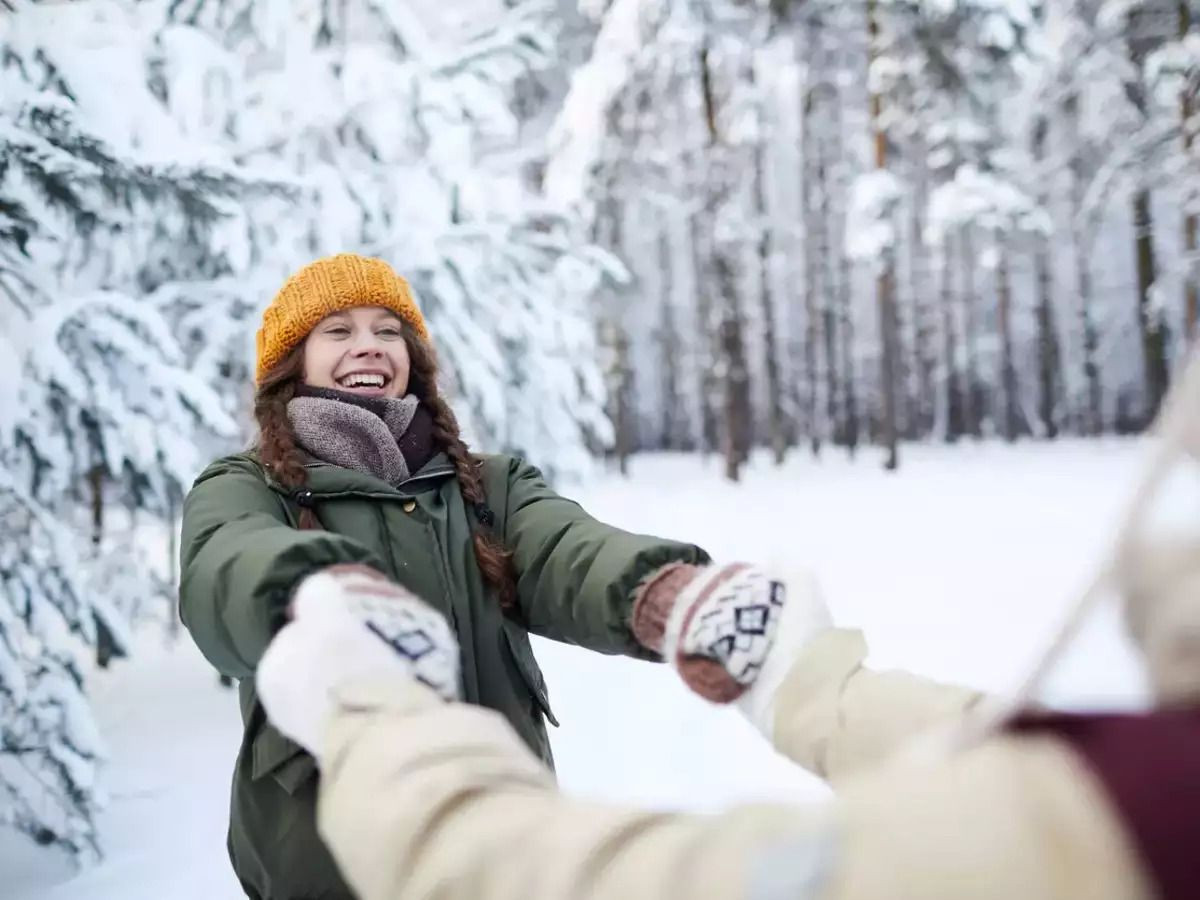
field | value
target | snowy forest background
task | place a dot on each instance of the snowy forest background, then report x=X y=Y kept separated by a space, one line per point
x=634 y=225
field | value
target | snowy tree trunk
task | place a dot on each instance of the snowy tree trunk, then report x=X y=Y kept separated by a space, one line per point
x=952 y=382
x=1048 y=352
x=621 y=379
x=1191 y=292
x=903 y=365
x=95 y=480
x=850 y=425
x=618 y=375
x=1092 y=414
x=921 y=413
x=1143 y=35
x=885 y=283
x=973 y=408
x=847 y=422
x=1008 y=369
x=813 y=260
x=736 y=432
x=107 y=647
x=1151 y=326
x=1191 y=298
x=828 y=311
x=885 y=292
x=705 y=327
x=674 y=424
x=776 y=427
x=618 y=381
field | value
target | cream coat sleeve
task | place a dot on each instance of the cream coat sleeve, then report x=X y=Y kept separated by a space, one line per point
x=835 y=717
x=422 y=799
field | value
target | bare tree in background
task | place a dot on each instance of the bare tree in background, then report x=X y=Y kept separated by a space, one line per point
x=1049 y=355
x=885 y=285
x=736 y=408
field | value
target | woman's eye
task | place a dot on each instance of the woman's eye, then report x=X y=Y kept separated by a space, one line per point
x=389 y=332
x=338 y=330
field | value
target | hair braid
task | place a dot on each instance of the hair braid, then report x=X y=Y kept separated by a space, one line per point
x=277 y=441
x=495 y=561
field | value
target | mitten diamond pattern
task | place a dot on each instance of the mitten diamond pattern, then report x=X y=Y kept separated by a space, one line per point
x=733 y=620
x=418 y=633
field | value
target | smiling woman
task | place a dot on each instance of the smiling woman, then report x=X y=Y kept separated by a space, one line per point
x=359 y=464
x=360 y=350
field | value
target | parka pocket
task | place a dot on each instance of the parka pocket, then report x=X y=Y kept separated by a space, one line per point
x=518 y=644
x=284 y=760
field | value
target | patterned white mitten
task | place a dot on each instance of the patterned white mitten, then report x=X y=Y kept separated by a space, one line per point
x=350 y=623
x=715 y=624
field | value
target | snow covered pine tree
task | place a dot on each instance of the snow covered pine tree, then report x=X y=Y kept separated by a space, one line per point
x=96 y=405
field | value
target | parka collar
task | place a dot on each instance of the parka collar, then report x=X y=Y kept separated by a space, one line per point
x=327 y=482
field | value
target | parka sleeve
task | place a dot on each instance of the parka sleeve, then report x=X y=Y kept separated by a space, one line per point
x=576 y=576
x=239 y=562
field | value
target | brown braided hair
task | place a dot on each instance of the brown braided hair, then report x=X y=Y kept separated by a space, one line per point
x=281 y=456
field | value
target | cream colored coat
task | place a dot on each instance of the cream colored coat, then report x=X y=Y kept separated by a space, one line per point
x=421 y=799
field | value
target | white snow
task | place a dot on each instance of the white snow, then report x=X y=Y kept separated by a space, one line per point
x=578 y=133
x=870 y=230
x=975 y=197
x=172 y=736
x=956 y=567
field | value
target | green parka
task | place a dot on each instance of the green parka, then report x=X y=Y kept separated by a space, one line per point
x=242 y=556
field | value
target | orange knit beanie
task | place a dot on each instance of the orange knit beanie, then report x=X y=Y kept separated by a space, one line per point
x=326 y=286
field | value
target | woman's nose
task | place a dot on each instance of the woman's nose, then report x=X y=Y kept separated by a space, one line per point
x=366 y=345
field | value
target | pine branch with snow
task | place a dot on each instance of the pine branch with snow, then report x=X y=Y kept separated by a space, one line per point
x=100 y=414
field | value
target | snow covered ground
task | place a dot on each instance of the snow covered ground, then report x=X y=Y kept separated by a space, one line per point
x=957 y=567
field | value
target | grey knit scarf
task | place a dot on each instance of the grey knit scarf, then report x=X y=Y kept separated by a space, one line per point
x=343 y=430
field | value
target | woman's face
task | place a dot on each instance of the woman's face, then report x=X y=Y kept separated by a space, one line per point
x=360 y=350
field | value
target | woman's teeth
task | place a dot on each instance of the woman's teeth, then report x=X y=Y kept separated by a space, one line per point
x=362 y=380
